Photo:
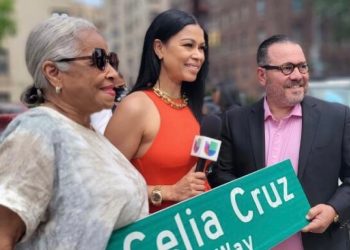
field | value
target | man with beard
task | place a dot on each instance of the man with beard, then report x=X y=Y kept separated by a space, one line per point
x=286 y=124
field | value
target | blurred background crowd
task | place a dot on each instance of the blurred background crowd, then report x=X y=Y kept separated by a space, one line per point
x=235 y=29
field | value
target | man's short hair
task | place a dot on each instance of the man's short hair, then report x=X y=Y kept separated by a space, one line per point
x=262 y=57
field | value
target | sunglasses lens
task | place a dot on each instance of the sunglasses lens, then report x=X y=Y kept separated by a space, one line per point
x=114 y=60
x=99 y=58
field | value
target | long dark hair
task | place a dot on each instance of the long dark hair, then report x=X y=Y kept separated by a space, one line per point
x=163 y=27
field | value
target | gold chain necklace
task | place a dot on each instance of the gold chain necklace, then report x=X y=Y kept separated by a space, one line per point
x=168 y=100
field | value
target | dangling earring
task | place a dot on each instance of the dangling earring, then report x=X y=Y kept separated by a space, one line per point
x=58 y=90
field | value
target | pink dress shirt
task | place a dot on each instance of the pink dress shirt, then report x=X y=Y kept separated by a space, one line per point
x=282 y=141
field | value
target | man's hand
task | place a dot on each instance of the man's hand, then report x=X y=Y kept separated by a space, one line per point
x=320 y=217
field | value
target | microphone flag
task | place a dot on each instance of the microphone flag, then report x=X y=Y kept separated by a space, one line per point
x=206 y=148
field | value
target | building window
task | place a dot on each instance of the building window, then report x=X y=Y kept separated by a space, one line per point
x=116 y=48
x=4 y=97
x=260 y=7
x=245 y=13
x=214 y=38
x=115 y=33
x=297 y=5
x=261 y=35
x=243 y=41
x=4 y=61
x=297 y=33
x=153 y=14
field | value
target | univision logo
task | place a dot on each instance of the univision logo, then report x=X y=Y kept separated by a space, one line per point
x=210 y=148
x=197 y=145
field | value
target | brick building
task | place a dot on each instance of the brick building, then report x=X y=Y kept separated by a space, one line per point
x=236 y=28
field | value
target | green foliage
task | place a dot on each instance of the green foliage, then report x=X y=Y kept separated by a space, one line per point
x=337 y=14
x=7 y=24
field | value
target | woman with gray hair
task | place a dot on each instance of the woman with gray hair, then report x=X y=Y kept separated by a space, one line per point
x=62 y=185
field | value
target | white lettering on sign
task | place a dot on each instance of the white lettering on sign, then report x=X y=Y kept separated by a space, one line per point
x=189 y=230
x=286 y=195
x=258 y=196
x=242 y=245
x=195 y=229
x=213 y=223
x=166 y=239
x=131 y=237
x=248 y=243
x=244 y=218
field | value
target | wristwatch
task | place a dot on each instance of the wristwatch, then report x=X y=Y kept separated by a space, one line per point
x=156 y=196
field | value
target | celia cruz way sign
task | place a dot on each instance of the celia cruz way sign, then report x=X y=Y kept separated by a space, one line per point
x=257 y=211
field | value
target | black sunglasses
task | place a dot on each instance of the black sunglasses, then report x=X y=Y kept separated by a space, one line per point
x=99 y=59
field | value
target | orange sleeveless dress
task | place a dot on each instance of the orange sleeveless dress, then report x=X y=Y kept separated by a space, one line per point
x=169 y=157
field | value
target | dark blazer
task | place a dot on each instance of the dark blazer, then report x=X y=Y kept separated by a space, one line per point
x=323 y=158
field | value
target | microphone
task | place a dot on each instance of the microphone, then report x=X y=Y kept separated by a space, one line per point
x=205 y=146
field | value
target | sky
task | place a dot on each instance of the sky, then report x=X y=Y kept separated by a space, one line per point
x=92 y=2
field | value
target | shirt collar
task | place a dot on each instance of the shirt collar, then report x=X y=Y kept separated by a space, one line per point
x=296 y=111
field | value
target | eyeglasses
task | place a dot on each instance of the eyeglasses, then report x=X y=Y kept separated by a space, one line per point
x=288 y=68
x=99 y=59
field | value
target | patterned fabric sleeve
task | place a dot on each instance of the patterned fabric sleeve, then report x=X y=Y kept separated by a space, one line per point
x=26 y=173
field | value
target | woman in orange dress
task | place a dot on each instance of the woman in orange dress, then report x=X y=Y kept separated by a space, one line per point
x=155 y=125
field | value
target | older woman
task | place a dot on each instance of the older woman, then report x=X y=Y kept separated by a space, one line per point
x=62 y=185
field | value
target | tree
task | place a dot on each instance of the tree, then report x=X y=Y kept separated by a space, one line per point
x=335 y=13
x=7 y=23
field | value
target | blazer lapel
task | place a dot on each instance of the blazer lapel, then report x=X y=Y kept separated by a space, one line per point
x=256 y=126
x=309 y=127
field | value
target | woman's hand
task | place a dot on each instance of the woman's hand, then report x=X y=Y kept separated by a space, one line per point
x=192 y=184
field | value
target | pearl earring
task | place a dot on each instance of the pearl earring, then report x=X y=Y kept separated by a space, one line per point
x=58 y=90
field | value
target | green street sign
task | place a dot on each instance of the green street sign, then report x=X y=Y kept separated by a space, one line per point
x=257 y=211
